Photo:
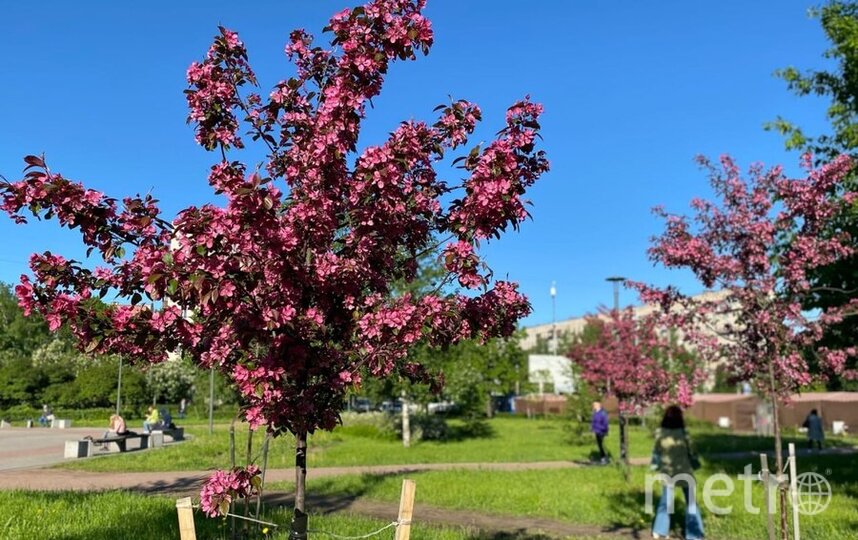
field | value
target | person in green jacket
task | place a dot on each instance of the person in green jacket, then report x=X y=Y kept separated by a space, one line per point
x=152 y=421
x=673 y=456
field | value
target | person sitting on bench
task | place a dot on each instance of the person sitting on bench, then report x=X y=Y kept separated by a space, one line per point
x=116 y=427
x=47 y=417
x=167 y=419
x=153 y=420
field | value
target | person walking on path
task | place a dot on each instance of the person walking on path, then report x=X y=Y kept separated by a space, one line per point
x=815 y=433
x=673 y=457
x=599 y=426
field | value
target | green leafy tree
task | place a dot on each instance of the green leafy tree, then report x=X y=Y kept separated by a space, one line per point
x=20 y=382
x=19 y=335
x=172 y=380
x=835 y=284
x=839 y=21
x=475 y=372
x=95 y=386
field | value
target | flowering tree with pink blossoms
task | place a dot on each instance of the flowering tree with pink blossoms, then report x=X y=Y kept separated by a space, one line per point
x=758 y=243
x=638 y=362
x=287 y=287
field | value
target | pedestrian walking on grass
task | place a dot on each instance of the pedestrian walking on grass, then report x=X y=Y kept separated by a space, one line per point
x=599 y=426
x=815 y=433
x=673 y=457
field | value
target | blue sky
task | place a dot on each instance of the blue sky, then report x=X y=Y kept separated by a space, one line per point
x=632 y=92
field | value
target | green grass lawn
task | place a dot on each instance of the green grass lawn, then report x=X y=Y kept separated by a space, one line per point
x=591 y=495
x=600 y=496
x=511 y=440
x=28 y=515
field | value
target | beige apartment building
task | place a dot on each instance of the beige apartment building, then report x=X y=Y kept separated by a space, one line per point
x=544 y=332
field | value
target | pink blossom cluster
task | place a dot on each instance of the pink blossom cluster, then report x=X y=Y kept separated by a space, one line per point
x=460 y=259
x=458 y=122
x=494 y=313
x=759 y=243
x=214 y=93
x=102 y=225
x=224 y=487
x=499 y=176
x=638 y=361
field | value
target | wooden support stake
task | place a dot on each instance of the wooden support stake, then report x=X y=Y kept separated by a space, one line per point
x=768 y=494
x=793 y=490
x=406 y=510
x=186 y=519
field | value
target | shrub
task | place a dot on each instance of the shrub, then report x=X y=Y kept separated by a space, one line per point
x=424 y=427
x=374 y=425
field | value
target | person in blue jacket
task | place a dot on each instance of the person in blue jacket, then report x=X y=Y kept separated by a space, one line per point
x=599 y=426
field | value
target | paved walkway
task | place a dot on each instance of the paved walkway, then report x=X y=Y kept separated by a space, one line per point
x=188 y=481
x=37 y=447
x=32 y=448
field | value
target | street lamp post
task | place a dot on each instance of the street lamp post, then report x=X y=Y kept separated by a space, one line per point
x=553 y=292
x=616 y=280
x=119 y=386
x=211 y=401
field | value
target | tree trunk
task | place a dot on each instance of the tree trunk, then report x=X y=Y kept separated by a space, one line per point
x=779 y=459
x=232 y=466
x=299 y=517
x=232 y=443
x=264 y=468
x=406 y=423
x=247 y=462
x=624 y=444
x=489 y=409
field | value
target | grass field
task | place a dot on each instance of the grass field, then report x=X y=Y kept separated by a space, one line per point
x=600 y=496
x=27 y=515
x=510 y=440
x=589 y=495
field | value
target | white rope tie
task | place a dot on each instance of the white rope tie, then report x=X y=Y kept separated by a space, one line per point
x=327 y=533
x=368 y=535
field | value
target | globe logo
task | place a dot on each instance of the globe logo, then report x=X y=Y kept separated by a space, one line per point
x=814 y=493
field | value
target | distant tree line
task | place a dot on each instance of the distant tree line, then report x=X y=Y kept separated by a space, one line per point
x=40 y=367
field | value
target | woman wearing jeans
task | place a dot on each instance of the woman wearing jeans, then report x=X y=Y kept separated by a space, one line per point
x=672 y=456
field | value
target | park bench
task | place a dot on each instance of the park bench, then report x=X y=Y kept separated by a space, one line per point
x=120 y=440
x=153 y=439
x=83 y=447
x=177 y=433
